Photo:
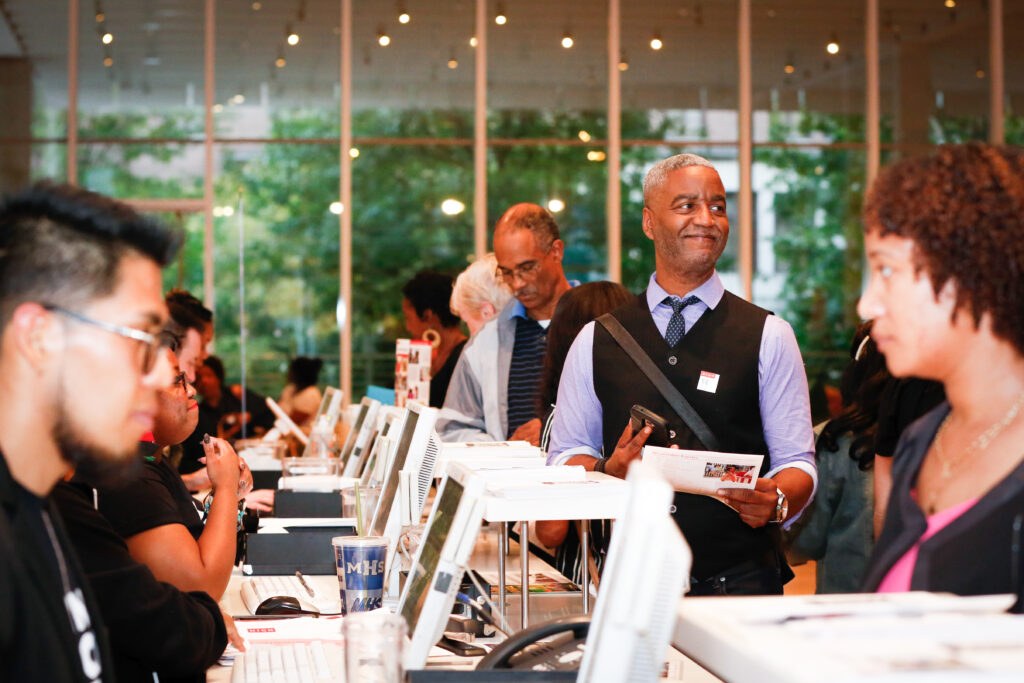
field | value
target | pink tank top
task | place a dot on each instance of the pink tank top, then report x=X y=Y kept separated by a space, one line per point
x=898 y=578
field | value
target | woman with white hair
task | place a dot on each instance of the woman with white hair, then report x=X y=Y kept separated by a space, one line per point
x=478 y=294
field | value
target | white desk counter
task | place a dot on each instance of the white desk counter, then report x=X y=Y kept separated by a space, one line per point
x=839 y=638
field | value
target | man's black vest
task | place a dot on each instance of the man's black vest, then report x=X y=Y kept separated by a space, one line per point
x=725 y=341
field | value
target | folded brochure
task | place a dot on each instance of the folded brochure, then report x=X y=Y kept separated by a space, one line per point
x=704 y=472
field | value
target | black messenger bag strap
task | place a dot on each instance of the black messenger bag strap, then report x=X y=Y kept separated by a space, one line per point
x=675 y=399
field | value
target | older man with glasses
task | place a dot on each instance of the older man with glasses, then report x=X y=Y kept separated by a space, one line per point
x=81 y=304
x=494 y=389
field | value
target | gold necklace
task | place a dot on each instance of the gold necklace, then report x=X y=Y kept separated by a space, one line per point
x=979 y=444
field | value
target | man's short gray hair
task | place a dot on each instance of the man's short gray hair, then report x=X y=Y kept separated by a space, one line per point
x=659 y=172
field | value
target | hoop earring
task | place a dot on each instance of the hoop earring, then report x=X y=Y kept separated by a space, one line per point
x=433 y=336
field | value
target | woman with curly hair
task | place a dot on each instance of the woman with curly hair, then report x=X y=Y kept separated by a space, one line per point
x=946 y=254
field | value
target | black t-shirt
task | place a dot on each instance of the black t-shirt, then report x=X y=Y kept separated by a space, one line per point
x=50 y=627
x=152 y=625
x=156 y=497
x=192 y=447
x=439 y=382
x=903 y=401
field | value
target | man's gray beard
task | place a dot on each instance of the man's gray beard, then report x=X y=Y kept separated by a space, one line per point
x=92 y=464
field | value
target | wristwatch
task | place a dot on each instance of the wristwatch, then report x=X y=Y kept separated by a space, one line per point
x=781 y=507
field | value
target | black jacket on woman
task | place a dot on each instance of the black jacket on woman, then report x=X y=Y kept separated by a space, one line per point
x=970 y=556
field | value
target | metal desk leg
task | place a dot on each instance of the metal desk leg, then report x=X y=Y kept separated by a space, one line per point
x=502 y=540
x=585 y=543
x=524 y=552
x=506 y=546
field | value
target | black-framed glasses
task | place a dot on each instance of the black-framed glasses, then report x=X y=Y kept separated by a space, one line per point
x=523 y=271
x=151 y=343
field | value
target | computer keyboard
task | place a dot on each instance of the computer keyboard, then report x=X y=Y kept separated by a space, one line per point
x=290 y=663
x=259 y=588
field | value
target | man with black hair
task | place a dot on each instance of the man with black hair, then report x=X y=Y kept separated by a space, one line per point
x=192 y=322
x=81 y=306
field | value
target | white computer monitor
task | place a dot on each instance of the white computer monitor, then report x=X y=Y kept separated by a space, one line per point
x=374 y=460
x=285 y=423
x=359 y=436
x=326 y=419
x=439 y=563
x=644 y=577
x=415 y=449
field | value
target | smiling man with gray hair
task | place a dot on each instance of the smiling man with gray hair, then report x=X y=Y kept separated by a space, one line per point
x=736 y=367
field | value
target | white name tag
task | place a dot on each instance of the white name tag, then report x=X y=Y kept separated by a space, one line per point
x=708 y=382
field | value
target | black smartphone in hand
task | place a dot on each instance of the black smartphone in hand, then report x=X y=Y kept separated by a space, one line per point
x=639 y=417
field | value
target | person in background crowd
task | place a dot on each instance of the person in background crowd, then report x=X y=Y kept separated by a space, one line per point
x=736 y=364
x=301 y=398
x=903 y=401
x=478 y=293
x=161 y=523
x=836 y=527
x=425 y=305
x=576 y=308
x=943 y=241
x=192 y=323
x=493 y=392
x=81 y=306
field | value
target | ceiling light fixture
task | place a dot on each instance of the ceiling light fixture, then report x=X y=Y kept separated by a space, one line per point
x=595 y=155
x=353 y=152
x=623 y=63
x=950 y=4
x=584 y=136
x=403 y=15
x=292 y=36
x=555 y=205
x=257 y=6
x=500 y=18
x=383 y=39
x=100 y=16
x=108 y=61
x=567 y=41
x=833 y=45
x=656 y=43
x=337 y=208
x=107 y=38
x=473 y=41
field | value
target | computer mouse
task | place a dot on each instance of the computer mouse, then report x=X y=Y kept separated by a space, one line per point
x=280 y=605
